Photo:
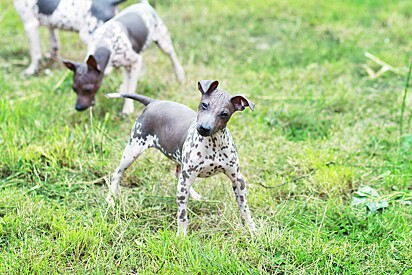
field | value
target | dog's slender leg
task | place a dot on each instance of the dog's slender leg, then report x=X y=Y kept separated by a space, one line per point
x=239 y=188
x=183 y=187
x=54 y=43
x=165 y=43
x=131 y=77
x=31 y=26
x=132 y=151
x=123 y=86
x=192 y=191
x=194 y=194
x=128 y=103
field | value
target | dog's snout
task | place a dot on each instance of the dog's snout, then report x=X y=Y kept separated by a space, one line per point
x=82 y=103
x=204 y=130
x=80 y=107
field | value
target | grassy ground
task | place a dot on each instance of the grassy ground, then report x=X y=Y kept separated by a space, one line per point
x=321 y=128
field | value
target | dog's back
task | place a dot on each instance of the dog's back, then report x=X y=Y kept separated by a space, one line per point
x=69 y=15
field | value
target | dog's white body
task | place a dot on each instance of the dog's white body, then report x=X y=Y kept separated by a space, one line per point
x=70 y=15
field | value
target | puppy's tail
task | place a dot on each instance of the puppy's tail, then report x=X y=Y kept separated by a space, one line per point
x=144 y=2
x=141 y=98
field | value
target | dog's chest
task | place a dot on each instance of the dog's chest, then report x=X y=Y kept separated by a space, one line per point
x=208 y=156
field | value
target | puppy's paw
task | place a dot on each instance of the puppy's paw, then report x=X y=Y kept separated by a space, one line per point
x=110 y=200
x=30 y=71
x=182 y=230
x=128 y=107
x=252 y=227
x=180 y=74
x=194 y=194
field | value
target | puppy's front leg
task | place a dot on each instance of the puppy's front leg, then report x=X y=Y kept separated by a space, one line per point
x=239 y=188
x=192 y=192
x=183 y=187
x=54 y=43
x=131 y=76
x=165 y=43
x=31 y=26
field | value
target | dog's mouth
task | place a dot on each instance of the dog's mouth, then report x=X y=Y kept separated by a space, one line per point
x=83 y=107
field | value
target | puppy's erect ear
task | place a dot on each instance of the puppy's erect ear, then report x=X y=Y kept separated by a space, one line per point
x=92 y=64
x=240 y=102
x=71 y=65
x=207 y=86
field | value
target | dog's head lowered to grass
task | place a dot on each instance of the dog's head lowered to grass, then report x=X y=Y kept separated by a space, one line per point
x=87 y=78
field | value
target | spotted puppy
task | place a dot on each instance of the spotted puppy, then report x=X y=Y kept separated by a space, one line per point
x=201 y=147
x=82 y=16
x=119 y=43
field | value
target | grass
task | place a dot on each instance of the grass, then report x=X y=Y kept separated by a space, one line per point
x=321 y=129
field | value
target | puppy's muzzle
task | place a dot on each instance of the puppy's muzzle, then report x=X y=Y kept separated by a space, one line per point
x=81 y=106
x=204 y=130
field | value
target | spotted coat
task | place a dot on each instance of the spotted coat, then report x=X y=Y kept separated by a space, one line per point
x=82 y=16
x=120 y=43
x=114 y=36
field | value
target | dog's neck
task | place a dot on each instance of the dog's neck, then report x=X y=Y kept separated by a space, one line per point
x=219 y=139
x=102 y=56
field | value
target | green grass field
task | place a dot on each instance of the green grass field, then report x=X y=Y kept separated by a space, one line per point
x=322 y=127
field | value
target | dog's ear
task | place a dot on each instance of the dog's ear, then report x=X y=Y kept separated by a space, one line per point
x=92 y=64
x=71 y=65
x=240 y=102
x=207 y=86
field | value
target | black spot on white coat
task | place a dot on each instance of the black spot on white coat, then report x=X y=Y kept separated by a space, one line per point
x=47 y=7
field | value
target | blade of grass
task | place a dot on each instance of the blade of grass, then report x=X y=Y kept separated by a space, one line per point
x=405 y=92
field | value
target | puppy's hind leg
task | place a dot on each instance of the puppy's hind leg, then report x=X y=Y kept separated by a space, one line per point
x=165 y=43
x=133 y=150
x=54 y=43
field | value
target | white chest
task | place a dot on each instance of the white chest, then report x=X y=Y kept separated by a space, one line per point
x=208 y=156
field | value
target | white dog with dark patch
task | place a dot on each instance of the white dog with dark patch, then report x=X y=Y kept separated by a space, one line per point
x=119 y=43
x=82 y=16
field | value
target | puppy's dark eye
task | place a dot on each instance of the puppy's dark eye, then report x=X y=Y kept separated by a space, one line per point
x=205 y=106
x=224 y=115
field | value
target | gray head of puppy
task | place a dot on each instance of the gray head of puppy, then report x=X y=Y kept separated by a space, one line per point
x=87 y=78
x=216 y=107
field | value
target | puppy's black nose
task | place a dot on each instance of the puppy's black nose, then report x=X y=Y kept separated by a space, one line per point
x=204 y=130
x=80 y=107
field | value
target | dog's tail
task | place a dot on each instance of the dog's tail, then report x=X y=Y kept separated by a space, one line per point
x=115 y=2
x=141 y=98
x=144 y=2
